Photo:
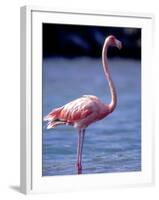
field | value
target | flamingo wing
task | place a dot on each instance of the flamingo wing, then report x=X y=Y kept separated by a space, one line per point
x=73 y=112
x=76 y=110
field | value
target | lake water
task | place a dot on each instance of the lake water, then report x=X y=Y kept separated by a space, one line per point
x=112 y=144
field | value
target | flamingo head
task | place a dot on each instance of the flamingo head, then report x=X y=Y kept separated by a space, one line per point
x=112 y=41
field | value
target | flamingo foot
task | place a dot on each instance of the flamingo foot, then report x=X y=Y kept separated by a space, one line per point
x=79 y=168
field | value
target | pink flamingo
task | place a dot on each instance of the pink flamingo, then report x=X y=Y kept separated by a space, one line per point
x=87 y=109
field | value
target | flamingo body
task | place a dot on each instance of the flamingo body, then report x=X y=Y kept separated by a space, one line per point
x=79 y=113
x=87 y=109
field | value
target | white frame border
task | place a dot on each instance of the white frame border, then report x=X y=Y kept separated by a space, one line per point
x=26 y=104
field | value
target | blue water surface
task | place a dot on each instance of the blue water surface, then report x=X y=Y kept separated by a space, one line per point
x=112 y=144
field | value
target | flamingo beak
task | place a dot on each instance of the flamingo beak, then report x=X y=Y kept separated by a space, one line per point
x=118 y=44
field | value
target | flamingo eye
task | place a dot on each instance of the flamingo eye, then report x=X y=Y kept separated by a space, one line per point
x=112 y=39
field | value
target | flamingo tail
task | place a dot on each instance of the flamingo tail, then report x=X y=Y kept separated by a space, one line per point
x=53 y=115
x=53 y=124
x=53 y=118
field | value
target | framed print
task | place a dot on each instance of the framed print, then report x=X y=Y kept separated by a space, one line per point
x=86 y=88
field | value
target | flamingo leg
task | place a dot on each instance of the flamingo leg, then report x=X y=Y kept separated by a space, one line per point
x=82 y=141
x=78 y=164
x=81 y=135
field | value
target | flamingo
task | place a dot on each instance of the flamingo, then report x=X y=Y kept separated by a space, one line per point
x=82 y=112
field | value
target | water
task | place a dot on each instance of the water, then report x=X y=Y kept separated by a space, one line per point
x=112 y=144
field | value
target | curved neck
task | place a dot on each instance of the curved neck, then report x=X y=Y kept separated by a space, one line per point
x=113 y=102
